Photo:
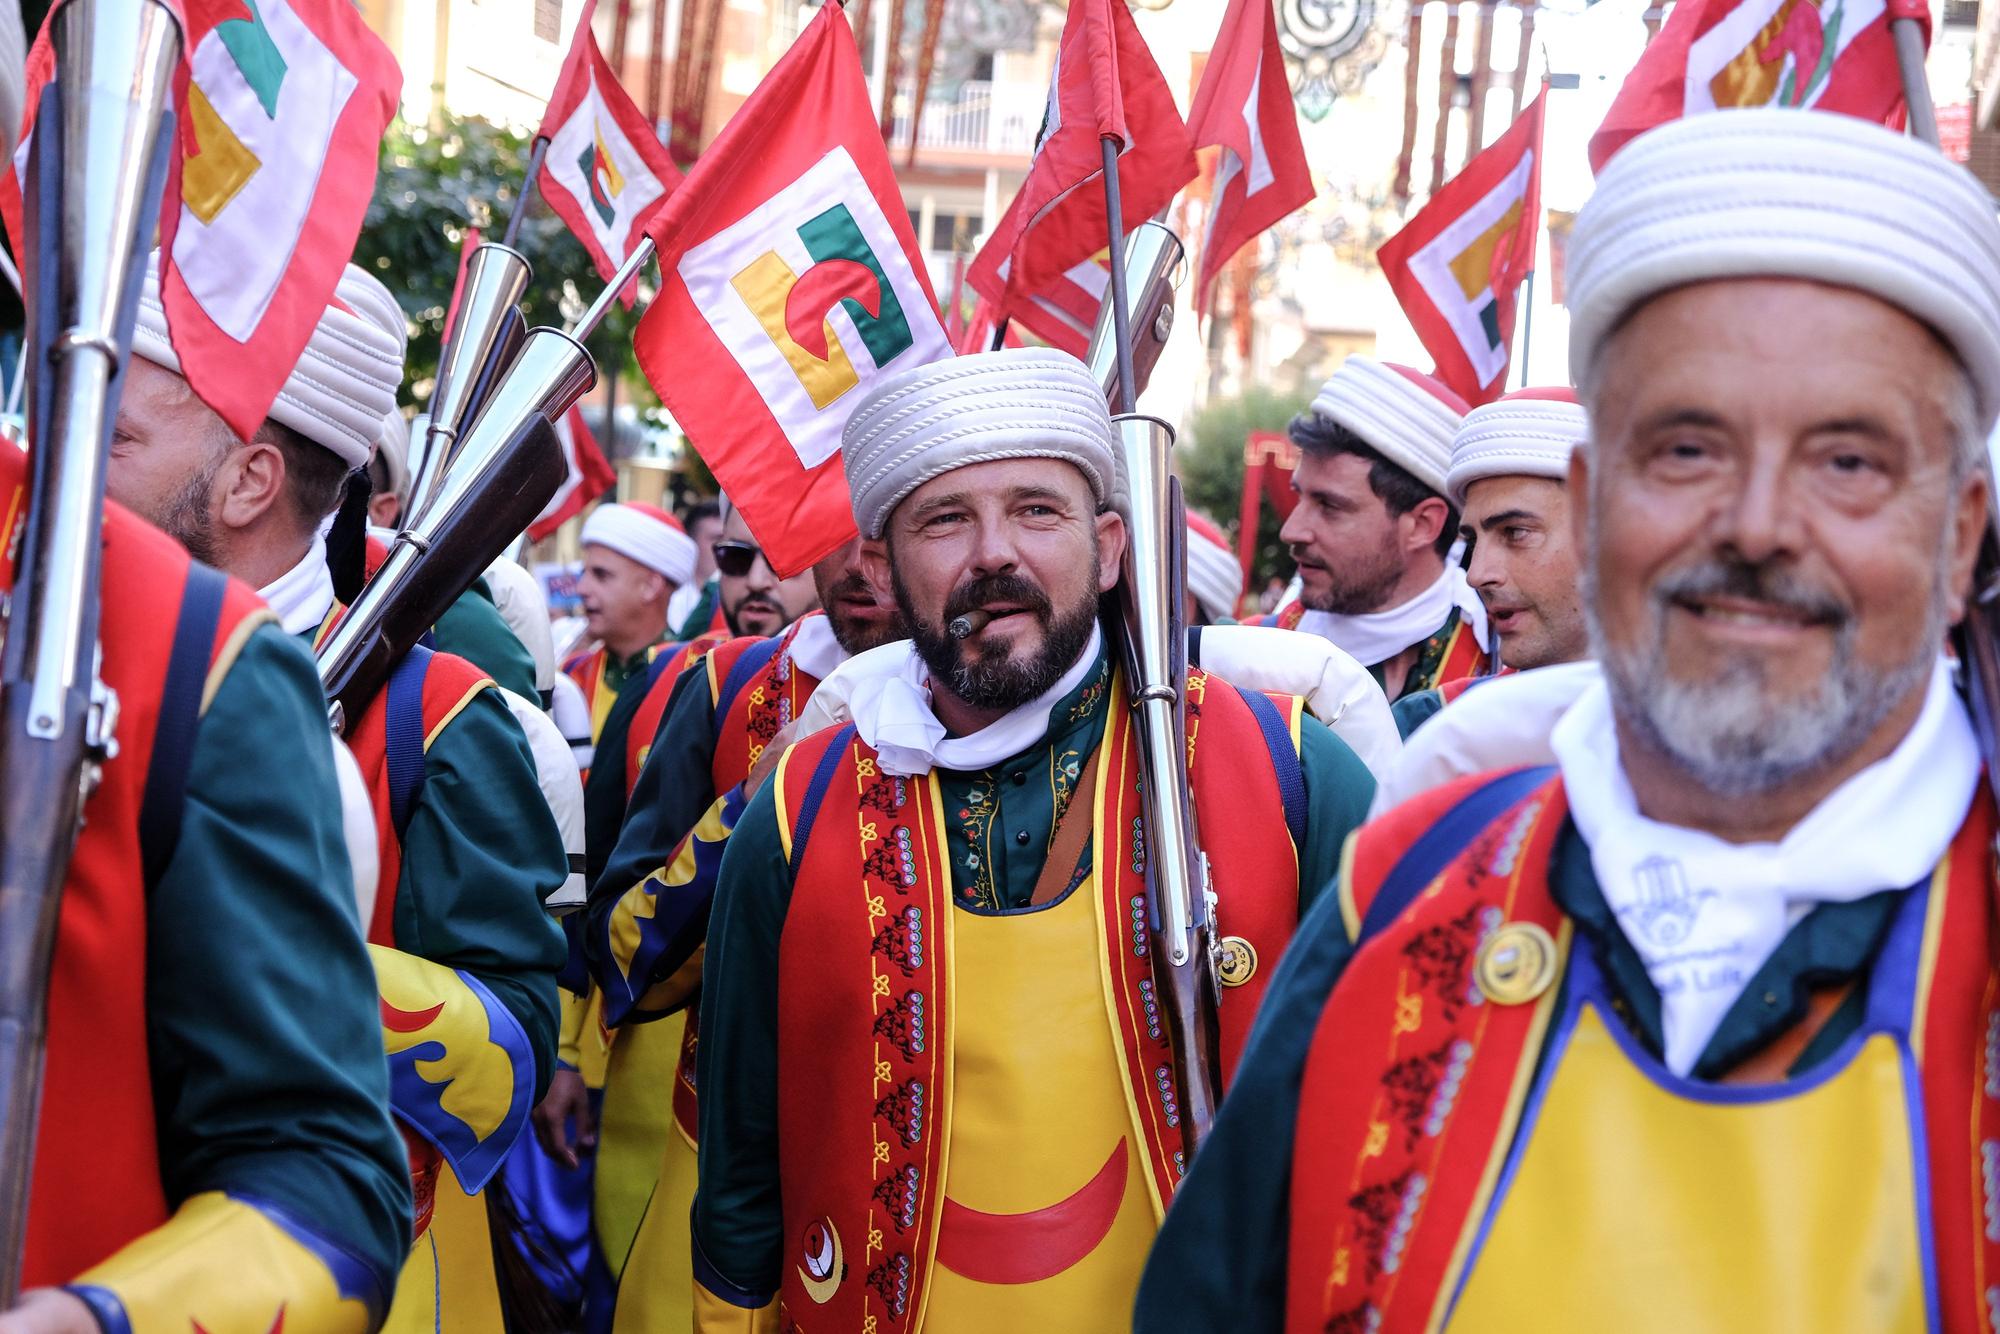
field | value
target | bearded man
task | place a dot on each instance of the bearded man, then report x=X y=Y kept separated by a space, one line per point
x=1702 y=1013
x=1372 y=528
x=965 y=983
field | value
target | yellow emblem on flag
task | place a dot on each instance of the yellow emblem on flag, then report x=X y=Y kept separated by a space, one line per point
x=211 y=178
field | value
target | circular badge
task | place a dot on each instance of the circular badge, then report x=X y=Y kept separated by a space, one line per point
x=1236 y=961
x=822 y=1267
x=1516 y=964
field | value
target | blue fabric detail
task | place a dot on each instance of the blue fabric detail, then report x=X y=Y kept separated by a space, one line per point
x=449 y=1042
x=353 y=1277
x=104 y=1306
x=816 y=793
x=547 y=1207
x=679 y=923
x=180 y=717
x=1425 y=859
x=1284 y=760
x=748 y=664
x=574 y=975
x=706 y=1274
x=404 y=727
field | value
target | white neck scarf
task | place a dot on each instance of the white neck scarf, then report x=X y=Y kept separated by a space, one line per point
x=302 y=595
x=813 y=649
x=887 y=696
x=1704 y=914
x=1375 y=637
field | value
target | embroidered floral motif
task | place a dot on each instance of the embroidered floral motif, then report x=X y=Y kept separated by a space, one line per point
x=903 y=1109
x=902 y=1024
x=898 y=1194
x=975 y=822
x=884 y=794
x=1381 y=1215
x=1409 y=1086
x=1092 y=695
x=1441 y=960
x=1362 y=1319
x=891 y=1282
x=902 y=941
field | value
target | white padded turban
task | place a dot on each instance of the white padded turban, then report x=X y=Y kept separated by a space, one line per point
x=646 y=534
x=346 y=380
x=1791 y=194
x=1016 y=403
x=1406 y=416
x=1528 y=433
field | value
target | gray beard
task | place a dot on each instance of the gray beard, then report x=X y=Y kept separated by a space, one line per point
x=1735 y=734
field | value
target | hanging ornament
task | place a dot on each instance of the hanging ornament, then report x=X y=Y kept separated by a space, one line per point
x=1334 y=45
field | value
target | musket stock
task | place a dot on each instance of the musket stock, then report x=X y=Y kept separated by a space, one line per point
x=96 y=170
x=1152 y=256
x=509 y=464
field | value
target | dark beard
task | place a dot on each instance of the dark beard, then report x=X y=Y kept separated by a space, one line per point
x=851 y=637
x=1358 y=589
x=993 y=679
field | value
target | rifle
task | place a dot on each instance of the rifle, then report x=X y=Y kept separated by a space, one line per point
x=103 y=134
x=1152 y=633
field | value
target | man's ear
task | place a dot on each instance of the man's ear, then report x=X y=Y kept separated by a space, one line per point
x=1579 y=501
x=250 y=485
x=875 y=563
x=1110 y=549
x=1968 y=526
x=1427 y=519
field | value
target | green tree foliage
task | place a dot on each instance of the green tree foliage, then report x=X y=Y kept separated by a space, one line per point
x=1210 y=462
x=434 y=183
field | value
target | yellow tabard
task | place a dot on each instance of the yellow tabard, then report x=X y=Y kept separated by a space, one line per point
x=447 y=1285
x=1643 y=1204
x=634 y=1128
x=1040 y=1173
x=656 y=1291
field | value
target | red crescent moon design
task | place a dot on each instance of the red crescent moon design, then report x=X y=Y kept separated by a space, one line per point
x=1038 y=1245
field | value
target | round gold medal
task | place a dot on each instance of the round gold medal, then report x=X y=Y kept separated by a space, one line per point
x=1516 y=964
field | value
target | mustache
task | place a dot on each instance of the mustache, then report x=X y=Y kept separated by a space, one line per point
x=1012 y=588
x=1758 y=581
x=852 y=585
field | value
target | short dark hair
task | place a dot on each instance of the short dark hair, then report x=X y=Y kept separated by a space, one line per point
x=315 y=476
x=1398 y=490
x=701 y=509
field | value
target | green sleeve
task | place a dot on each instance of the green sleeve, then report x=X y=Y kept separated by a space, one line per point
x=604 y=785
x=268 y=1076
x=738 y=1223
x=480 y=854
x=1339 y=788
x=1218 y=1263
x=674 y=788
x=1413 y=711
x=473 y=628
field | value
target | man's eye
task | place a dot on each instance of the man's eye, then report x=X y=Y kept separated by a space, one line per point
x=1850 y=462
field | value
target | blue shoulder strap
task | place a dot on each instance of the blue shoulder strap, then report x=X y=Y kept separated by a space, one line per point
x=816 y=793
x=404 y=734
x=180 y=716
x=1424 y=860
x=750 y=662
x=1284 y=760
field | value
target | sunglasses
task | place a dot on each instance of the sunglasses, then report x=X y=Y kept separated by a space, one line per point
x=735 y=558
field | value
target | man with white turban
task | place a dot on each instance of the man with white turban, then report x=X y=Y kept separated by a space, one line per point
x=1509 y=479
x=1372 y=528
x=634 y=556
x=935 y=1086
x=1694 y=1029
x=464 y=955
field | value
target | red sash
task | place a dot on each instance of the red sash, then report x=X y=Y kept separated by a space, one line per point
x=653 y=707
x=1412 y=1092
x=864 y=1029
x=1462 y=655
x=97 y=1172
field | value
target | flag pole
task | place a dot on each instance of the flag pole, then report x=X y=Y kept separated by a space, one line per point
x=1115 y=227
x=1906 y=29
x=586 y=323
x=1527 y=324
x=535 y=156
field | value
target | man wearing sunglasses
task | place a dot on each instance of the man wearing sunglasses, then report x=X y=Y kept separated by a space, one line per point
x=755 y=601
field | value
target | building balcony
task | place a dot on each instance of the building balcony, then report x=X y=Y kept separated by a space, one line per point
x=984 y=119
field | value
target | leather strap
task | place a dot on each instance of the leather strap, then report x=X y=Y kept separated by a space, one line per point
x=1071 y=832
x=1774 y=1063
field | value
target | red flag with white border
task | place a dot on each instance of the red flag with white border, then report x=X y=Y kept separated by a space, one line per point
x=1244 y=107
x=1105 y=85
x=1458 y=265
x=605 y=173
x=790 y=281
x=589 y=476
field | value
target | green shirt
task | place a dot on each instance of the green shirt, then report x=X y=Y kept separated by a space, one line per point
x=473 y=628
x=1220 y=1260
x=265 y=1042
x=1413 y=711
x=738 y=1225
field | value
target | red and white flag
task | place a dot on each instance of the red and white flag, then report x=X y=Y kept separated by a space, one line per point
x=605 y=172
x=1714 y=55
x=1244 y=107
x=1457 y=266
x=1105 y=85
x=790 y=281
x=282 y=106
x=589 y=476
x=1063 y=311
x=977 y=335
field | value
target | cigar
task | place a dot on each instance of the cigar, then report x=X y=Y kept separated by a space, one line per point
x=968 y=625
